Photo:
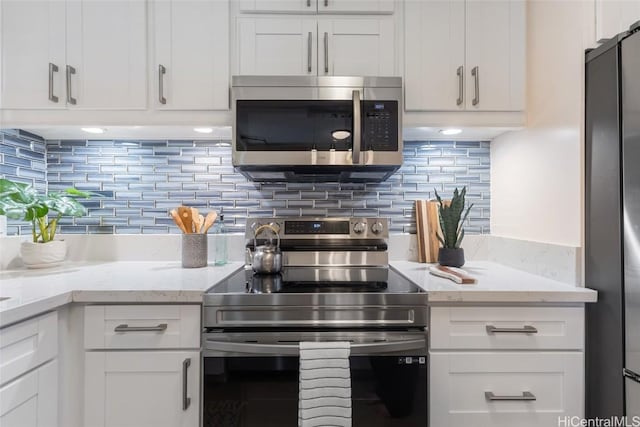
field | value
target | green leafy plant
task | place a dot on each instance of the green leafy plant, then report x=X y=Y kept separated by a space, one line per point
x=22 y=201
x=452 y=219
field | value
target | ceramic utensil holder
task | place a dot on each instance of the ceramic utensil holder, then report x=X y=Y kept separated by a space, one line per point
x=194 y=250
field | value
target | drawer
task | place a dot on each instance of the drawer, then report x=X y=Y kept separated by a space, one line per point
x=507 y=328
x=27 y=344
x=491 y=389
x=141 y=326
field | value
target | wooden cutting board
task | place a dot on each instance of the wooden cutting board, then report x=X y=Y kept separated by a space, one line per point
x=427 y=225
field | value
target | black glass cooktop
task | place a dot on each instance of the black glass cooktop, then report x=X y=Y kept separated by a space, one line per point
x=295 y=280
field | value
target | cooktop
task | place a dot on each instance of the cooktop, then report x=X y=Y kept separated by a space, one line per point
x=300 y=280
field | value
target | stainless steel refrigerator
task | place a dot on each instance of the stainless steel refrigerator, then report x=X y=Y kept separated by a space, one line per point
x=612 y=220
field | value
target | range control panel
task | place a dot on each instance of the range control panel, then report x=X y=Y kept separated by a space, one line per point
x=319 y=228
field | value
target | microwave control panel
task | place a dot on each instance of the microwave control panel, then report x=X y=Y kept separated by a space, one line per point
x=380 y=125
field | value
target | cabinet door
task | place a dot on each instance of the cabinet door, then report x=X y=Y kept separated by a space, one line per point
x=524 y=389
x=277 y=46
x=142 y=389
x=356 y=47
x=355 y=6
x=107 y=48
x=32 y=399
x=192 y=54
x=278 y=6
x=615 y=16
x=495 y=55
x=32 y=36
x=434 y=58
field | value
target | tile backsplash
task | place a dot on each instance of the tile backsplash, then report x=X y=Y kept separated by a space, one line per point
x=22 y=159
x=140 y=181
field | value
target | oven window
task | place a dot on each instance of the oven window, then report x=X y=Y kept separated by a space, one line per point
x=388 y=391
x=294 y=125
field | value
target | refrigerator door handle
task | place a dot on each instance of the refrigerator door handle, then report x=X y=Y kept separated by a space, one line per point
x=631 y=375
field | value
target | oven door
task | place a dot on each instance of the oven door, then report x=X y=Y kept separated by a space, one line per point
x=252 y=379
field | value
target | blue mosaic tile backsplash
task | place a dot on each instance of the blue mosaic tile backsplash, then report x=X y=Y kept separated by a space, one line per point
x=140 y=181
x=22 y=159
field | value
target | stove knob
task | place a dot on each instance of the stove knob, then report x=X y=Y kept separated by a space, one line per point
x=360 y=227
x=377 y=228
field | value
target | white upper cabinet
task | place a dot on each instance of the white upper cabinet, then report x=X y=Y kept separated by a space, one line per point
x=615 y=16
x=278 y=6
x=317 y=6
x=83 y=54
x=273 y=46
x=32 y=45
x=434 y=61
x=191 y=68
x=355 y=6
x=306 y=46
x=106 y=54
x=356 y=47
x=465 y=55
x=495 y=55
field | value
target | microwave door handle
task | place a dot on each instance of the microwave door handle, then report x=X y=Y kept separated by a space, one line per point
x=357 y=128
x=294 y=350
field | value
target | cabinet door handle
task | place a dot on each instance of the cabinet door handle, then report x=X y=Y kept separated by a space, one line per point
x=126 y=328
x=161 y=72
x=527 y=329
x=326 y=53
x=70 y=99
x=326 y=3
x=308 y=3
x=460 y=73
x=357 y=123
x=186 y=400
x=53 y=68
x=475 y=72
x=309 y=48
x=526 y=396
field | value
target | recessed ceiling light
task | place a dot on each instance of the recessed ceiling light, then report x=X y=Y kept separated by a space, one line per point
x=451 y=131
x=203 y=130
x=94 y=130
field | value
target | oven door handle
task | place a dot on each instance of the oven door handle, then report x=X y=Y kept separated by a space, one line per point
x=294 y=350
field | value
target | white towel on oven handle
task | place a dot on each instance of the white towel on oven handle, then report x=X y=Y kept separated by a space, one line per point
x=325 y=390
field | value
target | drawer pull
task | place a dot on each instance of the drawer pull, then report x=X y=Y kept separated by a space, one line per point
x=527 y=329
x=186 y=400
x=126 y=328
x=526 y=396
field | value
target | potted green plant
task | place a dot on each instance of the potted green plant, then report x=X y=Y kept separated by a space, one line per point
x=22 y=201
x=451 y=223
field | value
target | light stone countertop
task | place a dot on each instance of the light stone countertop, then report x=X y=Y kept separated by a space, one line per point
x=32 y=292
x=496 y=284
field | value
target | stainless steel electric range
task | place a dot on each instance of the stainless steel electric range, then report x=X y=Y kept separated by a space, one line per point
x=335 y=285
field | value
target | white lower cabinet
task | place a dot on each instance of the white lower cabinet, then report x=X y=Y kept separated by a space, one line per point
x=142 y=389
x=524 y=389
x=505 y=366
x=32 y=399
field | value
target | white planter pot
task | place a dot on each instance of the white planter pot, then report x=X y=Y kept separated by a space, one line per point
x=42 y=255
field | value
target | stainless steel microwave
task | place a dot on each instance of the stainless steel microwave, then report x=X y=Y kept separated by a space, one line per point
x=327 y=128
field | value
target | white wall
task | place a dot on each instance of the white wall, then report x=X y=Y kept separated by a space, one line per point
x=536 y=173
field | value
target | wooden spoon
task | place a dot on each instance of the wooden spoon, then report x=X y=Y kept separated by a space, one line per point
x=209 y=220
x=187 y=218
x=200 y=223
x=195 y=215
x=177 y=220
